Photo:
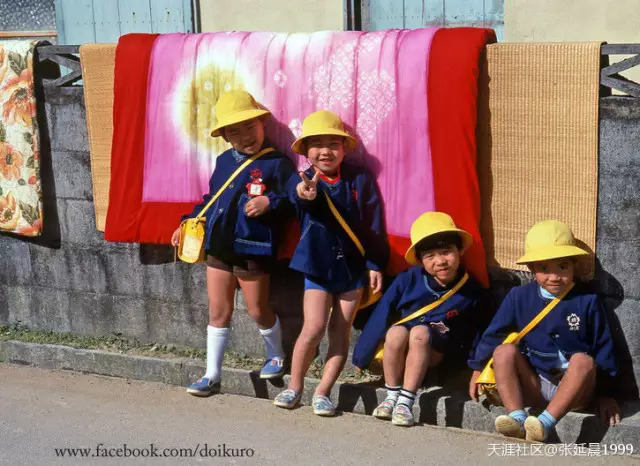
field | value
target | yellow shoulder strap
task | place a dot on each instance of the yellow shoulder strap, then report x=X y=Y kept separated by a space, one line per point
x=536 y=320
x=437 y=302
x=231 y=178
x=345 y=226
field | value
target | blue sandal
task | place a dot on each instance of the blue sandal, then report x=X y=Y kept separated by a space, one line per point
x=203 y=387
x=273 y=368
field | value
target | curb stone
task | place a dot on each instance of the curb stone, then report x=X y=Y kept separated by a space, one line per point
x=434 y=405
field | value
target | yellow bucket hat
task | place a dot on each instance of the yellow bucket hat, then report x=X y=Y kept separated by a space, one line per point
x=549 y=239
x=234 y=107
x=430 y=224
x=322 y=123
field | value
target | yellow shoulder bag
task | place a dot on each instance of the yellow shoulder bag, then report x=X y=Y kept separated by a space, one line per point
x=487 y=379
x=368 y=298
x=423 y=310
x=191 y=246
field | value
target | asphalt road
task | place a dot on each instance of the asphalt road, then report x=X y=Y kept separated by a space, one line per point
x=45 y=414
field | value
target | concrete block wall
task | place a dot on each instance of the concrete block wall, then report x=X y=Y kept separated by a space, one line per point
x=71 y=280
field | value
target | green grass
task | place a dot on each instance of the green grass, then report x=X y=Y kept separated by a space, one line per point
x=118 y=344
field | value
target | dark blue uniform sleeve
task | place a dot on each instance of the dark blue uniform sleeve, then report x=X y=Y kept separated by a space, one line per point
x=602 y=349
x=376 y=327
x=376 y=245
x=205 y=199
x=294 y=199
x=503 y=323
x=278 y=195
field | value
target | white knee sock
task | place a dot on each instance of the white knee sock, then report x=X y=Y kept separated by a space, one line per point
x=273 y=340
x=217 y=339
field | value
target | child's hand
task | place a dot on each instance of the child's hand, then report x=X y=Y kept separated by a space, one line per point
x=308 y=188
x=608 y=410
x=175 y=238
x=473 y=387
x=375 y=280
x=257 y=206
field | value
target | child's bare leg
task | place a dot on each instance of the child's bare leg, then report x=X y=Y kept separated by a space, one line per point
x=316 y=312
x=576 y=387
x=517 y=382
x=395 y=349
x=419 y=358
x=255 y=289
x=339 y=332
x=221 y=287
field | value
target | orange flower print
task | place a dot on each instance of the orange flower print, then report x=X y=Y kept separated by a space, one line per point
x=31 y=230
x=9 y=212
x=19 y=103
x=10 y=161
x=4 y=62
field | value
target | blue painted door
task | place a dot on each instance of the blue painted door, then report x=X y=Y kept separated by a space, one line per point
x=82 y=21
x=383 y=14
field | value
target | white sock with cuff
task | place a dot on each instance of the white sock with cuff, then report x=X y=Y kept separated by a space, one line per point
x=273 y=340
x=217 y=339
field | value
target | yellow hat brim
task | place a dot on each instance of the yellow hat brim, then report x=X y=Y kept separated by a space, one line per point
x=350 y=141
x=551 y=252
x=238 y=117
x=467 y=241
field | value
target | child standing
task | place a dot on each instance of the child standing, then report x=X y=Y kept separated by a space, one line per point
x=335 y=269
x=556 y=363
x=437 y=285
x=241 y=233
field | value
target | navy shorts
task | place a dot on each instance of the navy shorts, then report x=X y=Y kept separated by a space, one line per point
x=311 y=283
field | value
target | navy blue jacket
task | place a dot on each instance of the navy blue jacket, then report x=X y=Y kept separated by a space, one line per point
x=325 y=251
x=228 y=229
x=576 y=325
x=411 y=290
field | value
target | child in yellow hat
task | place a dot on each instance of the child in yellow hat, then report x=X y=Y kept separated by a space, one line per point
x=241 y=233
x=450 y=302
x=333 y=198
x=556 y=363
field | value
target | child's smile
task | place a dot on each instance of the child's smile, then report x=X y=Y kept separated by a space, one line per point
x=554 y=275
x=442 y=263
x=246 y=137
x=326 y=153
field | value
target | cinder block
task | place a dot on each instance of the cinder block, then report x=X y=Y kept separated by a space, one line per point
x=16 y=261
x=16 y=304
x=72 y=175
x=621 y=261
x=78 y=224
x=68 y=127
x=174 y=322
x=73 y=268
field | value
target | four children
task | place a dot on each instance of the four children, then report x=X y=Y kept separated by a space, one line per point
x=343 y=251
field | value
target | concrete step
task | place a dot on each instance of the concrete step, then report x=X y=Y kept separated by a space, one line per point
x=436 y=405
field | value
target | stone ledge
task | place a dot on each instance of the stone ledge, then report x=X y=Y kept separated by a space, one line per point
x=433 y=405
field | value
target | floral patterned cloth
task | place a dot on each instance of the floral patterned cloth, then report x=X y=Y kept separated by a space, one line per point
x=20 y=189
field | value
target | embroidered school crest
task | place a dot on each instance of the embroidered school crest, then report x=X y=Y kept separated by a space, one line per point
x=256 y=187
x=440 y=327
x=451 y=314
x=574 y=322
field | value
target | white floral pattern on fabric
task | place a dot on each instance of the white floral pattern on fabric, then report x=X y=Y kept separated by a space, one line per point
x=280 y=78
x=332 y=86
